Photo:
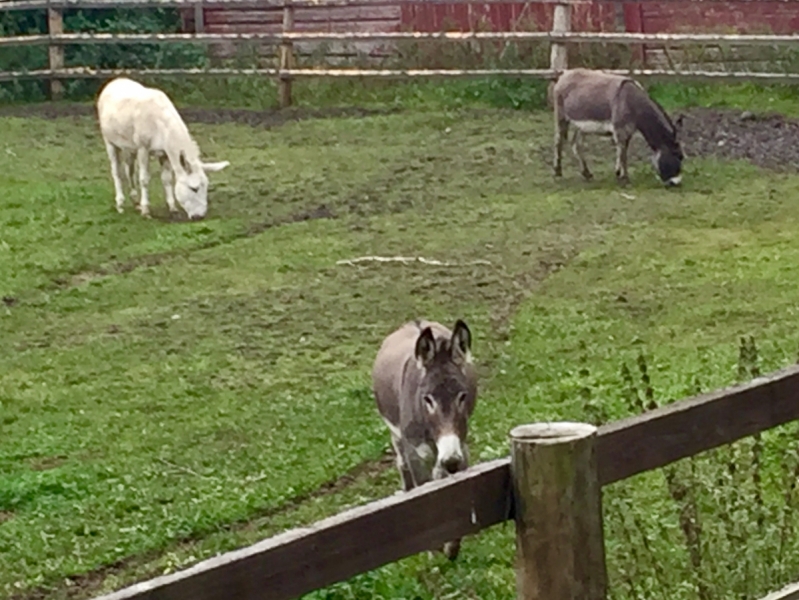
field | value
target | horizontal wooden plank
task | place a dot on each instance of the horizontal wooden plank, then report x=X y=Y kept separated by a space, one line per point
x=686 y=428
x=252 y=32
x=354 y=14
x=8 y=5
x=355 y=73
x=363 y=538
x=91 y=73
x=371 y=30
x=333 y=50
x=789 y=592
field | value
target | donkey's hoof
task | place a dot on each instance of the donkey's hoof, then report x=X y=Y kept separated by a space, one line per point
x=558 y=172
x=452 y=549
x=588 y=175
x=622 y=179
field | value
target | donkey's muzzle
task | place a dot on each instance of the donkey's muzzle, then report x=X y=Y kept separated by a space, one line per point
x=452 y=466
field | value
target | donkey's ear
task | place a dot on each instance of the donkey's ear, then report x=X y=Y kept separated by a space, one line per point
x=461 y=343
x=215 y=166
x=425 y=347
x=185 y=163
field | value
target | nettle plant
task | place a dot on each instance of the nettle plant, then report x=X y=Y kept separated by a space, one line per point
x=718 y=525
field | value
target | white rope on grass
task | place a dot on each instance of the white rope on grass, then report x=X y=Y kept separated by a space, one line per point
x=409 y=259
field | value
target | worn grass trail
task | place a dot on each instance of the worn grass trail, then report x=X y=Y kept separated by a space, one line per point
x=173 y=389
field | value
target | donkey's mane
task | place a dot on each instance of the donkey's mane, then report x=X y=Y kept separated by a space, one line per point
x=651 y=119
x=664 y=113
x=180 y=139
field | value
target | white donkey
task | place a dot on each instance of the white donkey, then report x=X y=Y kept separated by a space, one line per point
x=137 y=121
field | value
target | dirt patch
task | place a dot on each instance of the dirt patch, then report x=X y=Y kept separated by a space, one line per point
x=212 y=116
x=5 y=516
x=768 y=141
x=48 y=110
x=45 y=463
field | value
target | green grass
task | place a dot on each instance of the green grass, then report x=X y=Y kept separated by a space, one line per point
x=169 y=390
x=438 y=95
x=495 y=92
x=775 y=98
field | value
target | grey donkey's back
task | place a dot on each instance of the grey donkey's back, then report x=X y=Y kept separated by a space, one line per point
x=586 y=95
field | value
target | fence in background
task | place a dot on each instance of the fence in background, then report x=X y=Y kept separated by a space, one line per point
x=551 y=487
x=285 y=71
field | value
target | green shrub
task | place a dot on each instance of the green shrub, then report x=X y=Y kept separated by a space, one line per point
x=102 y=56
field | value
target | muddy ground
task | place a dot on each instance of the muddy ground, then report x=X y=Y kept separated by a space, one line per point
x=769 y=141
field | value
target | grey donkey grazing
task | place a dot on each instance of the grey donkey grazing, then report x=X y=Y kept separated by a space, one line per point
x=613 y=105
x=426 y=388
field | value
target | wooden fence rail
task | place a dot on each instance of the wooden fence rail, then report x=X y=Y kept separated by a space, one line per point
x=649 y=74
x=86 y=4
x=789 y=592
x=285 y=72
x=364 y=538
x=672 y=39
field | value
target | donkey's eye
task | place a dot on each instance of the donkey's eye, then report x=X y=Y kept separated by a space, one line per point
x=430 y=403
x=460 y=401
x=194 y=189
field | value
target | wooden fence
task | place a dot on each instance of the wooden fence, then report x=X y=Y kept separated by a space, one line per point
x=56 y=39
x=551 y=486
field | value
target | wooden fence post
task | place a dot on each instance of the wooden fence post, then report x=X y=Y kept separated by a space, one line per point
x=199 y=18
x=55 y=26
x=286 y=55
x=560 y=545
x=561 y=23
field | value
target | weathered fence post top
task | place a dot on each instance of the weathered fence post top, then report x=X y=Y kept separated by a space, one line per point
x=551 y=433
x=557 y=497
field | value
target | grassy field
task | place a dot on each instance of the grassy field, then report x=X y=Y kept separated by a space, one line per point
x=169 y=390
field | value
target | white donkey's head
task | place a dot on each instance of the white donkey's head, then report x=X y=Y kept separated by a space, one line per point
x=191 y=185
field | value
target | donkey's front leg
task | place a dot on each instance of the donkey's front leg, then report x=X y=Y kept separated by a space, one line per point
x=143 y=158
x=453 y=548
x=115 y=157
x=577 y=148
x=168 y=180
x=417 y=461
x=402 y=467
x=622 y=144
x=129 y=162
x=561 y=134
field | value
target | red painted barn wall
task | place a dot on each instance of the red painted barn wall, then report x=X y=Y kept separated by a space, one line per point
x=331 y=19
x=775 y=16
x=764 y=16
x=595 y=16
